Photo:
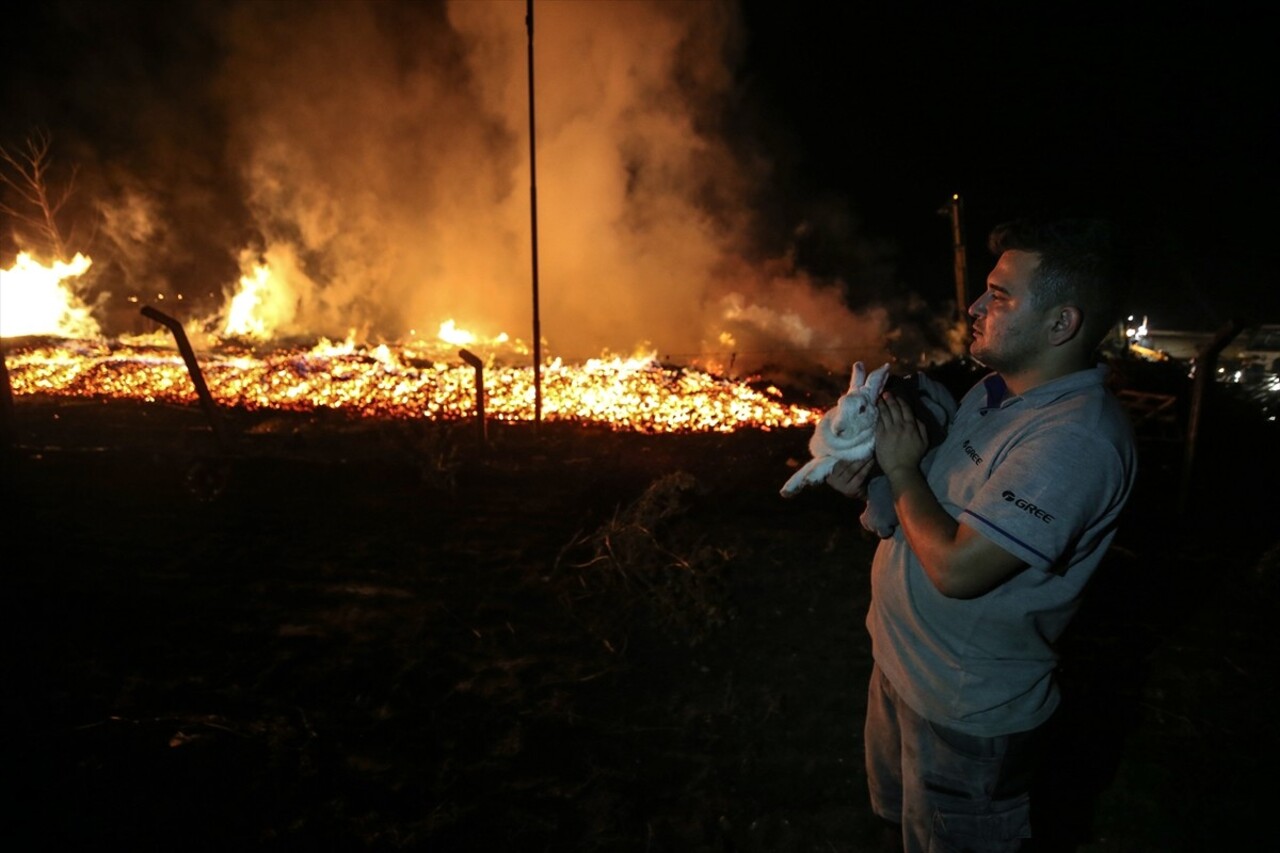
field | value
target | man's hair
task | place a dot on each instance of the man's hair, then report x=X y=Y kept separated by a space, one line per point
x=1083 y=262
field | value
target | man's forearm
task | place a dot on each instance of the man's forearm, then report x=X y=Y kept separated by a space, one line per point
x=929 y=530
x=960 y=562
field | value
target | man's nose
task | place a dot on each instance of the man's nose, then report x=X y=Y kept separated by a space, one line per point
x=979 y=306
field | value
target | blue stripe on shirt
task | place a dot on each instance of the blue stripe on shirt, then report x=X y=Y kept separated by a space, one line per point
x=989 y=523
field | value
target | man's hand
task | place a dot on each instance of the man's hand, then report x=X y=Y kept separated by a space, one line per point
x=850 y=478
x=901 y=440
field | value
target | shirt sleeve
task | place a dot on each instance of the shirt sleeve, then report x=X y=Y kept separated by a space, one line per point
x=1044 y=495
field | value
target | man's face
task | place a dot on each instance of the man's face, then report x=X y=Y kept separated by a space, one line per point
x=1008 y=330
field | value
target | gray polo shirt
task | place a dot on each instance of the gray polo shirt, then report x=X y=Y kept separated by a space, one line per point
x=1044 y=475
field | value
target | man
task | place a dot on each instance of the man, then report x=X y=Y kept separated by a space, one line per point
x=988 y=541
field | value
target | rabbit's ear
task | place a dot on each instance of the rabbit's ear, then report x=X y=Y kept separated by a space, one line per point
x=877 y=380
x=859 y=376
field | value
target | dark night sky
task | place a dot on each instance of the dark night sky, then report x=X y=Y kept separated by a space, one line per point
x=1163 y=119
x=874 y=114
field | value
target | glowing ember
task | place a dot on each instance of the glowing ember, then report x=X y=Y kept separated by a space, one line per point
x=423 y=380
x=633 y=394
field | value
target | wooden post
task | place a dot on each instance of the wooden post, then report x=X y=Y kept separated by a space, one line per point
x=8 y=431
x=960 y=261
x=220 y=432
x=474 y=360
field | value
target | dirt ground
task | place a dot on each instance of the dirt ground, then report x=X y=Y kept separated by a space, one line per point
x=347 y=637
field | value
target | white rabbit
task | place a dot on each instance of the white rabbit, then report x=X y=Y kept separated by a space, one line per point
x=846 y=431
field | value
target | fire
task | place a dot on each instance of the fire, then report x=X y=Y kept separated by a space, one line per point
x=625 y=394
x=452 y=334
x=34 y=299
x=420 y=380
x=242 y=313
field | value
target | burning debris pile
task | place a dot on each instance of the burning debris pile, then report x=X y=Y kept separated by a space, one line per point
x=61 y=353
x=384 y=382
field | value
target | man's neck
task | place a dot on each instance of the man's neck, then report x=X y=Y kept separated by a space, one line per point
x=1023 y=381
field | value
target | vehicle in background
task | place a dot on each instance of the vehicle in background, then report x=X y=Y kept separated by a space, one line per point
x=1253 y=358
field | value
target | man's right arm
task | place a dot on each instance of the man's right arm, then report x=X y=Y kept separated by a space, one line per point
x=959 y=561
x=850 y=478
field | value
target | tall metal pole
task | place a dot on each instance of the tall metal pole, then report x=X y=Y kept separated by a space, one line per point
x=533 y=215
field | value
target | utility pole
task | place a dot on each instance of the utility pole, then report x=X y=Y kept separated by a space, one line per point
x=954 y=209
x=533 y=215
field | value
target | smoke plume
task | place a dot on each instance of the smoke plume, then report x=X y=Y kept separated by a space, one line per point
x=374 y=156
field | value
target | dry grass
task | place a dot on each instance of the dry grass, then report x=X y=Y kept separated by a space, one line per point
x=652 y=561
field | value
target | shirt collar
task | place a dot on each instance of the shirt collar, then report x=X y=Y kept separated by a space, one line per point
x=1042 y=395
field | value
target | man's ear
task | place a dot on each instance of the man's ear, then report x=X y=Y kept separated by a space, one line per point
x=1065 y=324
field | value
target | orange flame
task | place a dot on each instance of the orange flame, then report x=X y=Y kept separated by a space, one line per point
x=34 y=299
